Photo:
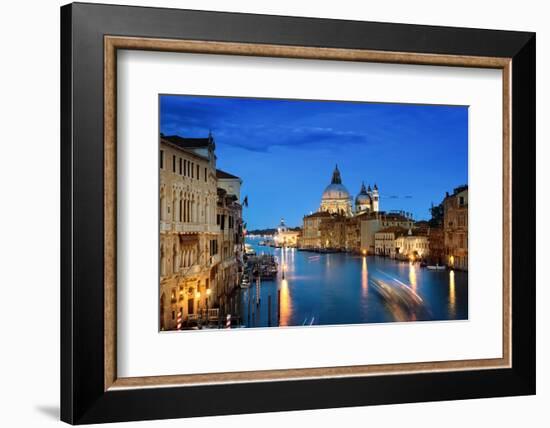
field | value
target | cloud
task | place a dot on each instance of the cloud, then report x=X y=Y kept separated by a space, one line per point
x=259 y=125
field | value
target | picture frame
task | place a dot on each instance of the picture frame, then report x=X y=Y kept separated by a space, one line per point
x=91 y=391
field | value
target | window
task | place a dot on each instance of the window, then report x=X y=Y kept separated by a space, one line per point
x=185 y=167
x=213 y=247
x=162 y=159
x=205 y=176
x=181 y=166
x=218 y=217
x=460 y=201
x=198 y=173
x=192 y=169
x=173 y=163
x=222 y=222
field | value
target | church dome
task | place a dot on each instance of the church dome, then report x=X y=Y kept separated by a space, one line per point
x=336 y=190
x=363 y=198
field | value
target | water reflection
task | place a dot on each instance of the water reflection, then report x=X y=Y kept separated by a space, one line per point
x=286 y=304
x=325 y=289
x=412 y=275
x=452 y=293
x=364 y=277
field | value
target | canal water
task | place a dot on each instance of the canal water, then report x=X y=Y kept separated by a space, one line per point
x=341 y=288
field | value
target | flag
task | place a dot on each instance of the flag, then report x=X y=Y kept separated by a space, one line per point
x=245 y=201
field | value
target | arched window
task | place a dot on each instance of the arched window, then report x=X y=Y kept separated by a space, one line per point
x=162 y=261
x=199 y=210
x=162 y=204
x=174 y=205
x=180 y=208
x=184 y=204
x=175 y=266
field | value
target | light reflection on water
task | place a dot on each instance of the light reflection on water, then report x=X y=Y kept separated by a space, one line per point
x=452 y=293
x=286 y=306
x=412 y=275
x=326 y=289
x=364 y=277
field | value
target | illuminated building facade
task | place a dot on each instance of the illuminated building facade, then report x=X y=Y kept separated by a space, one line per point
x=194 y=248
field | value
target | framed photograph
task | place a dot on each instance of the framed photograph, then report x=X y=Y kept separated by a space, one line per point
x=267 y=213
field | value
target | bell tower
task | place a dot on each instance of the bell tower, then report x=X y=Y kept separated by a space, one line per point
x=375 y=199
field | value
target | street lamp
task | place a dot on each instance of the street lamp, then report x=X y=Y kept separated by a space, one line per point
x=198 y=297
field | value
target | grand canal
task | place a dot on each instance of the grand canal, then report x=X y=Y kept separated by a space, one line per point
x=339 y=288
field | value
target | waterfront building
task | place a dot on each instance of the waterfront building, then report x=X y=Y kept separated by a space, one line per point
x=190 y=236
x=385 y=240
x=336 y=225
x=286 y=237
x=371 y=223
x=230 y=183
x=455 y=228
x=333 y=232
x=228 y=247
x=436 y=246
x=413 y=245
x=311 y=234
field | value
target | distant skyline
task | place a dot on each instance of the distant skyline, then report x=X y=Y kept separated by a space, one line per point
x=285 y=150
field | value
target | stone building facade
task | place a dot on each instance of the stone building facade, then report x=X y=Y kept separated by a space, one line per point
x=337 y=226
x=384 y=240
x=412 y=245
x=436 y=243
x=286 y=237
x=190 y=236
x=455 y=228
x=311 y=233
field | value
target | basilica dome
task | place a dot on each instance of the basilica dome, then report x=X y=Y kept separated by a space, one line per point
x=363 y=198
x=336 y=191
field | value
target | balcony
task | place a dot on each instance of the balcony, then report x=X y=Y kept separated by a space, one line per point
x=170 y=226
x=195 y=228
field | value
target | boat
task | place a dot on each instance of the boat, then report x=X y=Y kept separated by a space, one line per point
x=436 y=267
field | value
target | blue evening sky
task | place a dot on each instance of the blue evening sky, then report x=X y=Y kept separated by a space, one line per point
x=285 y=150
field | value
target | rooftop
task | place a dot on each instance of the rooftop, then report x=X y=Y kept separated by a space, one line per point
x=188 y=143
x=318 y=214
x=393 y=229
x=223 y=174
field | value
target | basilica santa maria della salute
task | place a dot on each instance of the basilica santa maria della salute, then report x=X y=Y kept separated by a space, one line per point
x=337 y=200
x=343 y=224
